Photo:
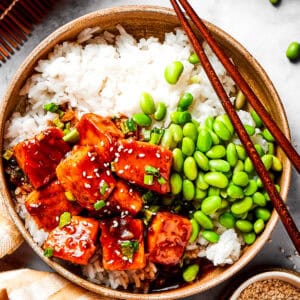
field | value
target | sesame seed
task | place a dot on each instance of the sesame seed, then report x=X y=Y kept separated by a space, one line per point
x=120 y=171
x=87 y=185
x=117 y=252
x=101 y=143
x=141 y=155
x=115 y=224
x=121 y=190
x=89 y=154
x=157 y=155
x=120 y=148
x=89 y=177
x=107 y=172
x=126 y=167
x=118 y=207
x=130 y=190
x=130 y=151
x=111 y=149
x=97 y=175
x=84 y=173
x=92 y=158
x=96 y=170
x=117 y=154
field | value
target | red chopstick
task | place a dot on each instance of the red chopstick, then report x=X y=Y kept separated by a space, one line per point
x=280 y=138
x=276 y=199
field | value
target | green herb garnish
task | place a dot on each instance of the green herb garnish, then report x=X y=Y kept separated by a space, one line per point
x=52 y=107
x=104 y=187
x=64 y=219
x=148 y=179
x=151 y=170
x=128 y=248
x=99 y=204
x=48 y=252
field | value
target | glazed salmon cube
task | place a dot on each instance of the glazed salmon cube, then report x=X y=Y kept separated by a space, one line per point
x=48 y=203
x=122 y=244
x=85 y=177
x=144 y=164
x=168 y=236
x=39 y=156
x=125 y=199
x=74 y=242
x=100 y=132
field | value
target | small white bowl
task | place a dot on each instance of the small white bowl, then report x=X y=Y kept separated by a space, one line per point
x=288 y=276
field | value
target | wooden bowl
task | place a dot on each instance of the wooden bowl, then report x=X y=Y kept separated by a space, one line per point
x=145 y=21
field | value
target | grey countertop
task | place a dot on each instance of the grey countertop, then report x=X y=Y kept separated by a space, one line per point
x=265 y=31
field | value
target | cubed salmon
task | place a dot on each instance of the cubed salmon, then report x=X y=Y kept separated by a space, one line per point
x=88 y=179
x=122 y=244
x=100 y=132
x=144 y=164
x=168 y=236
x=124 y=198
x=39 y=156
x=74 y=242
x=48 y=203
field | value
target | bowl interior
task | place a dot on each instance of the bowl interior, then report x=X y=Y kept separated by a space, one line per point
x=146 y=21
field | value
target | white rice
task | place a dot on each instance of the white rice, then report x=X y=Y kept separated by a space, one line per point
x=105 y=74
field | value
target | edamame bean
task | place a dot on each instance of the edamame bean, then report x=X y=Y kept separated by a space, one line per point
x=235 y=191
x=176 y=183
x=224 y=204
x=244 y=225
x=214 y=137
x=271 y=148
x=267 y=160
x=190 y=130
x=185 y=101
x=142 y=120
x=203 y=220
x=190 y=168
x=293 y=50
x=177 y=160
x=213 y=191
x=240 y=178
x=248 y=165
x=190 y=273
x=201 y=160
x=176 y=131
x=221 y=130
x=226 y=120
x=180 y=117
x=231 y=154
x=238 y=167
x=187 y=146
x=249 y=129
x=216 y=179
x=262 y=213
x=242 y=206
x=167 y=140
x=259 y=226
x=211 y=204
x=259 y=183
x=259 y=150
x=249 y=238
x=200 y=194
x=240 y=100
x=173 y=71
x=227 y=220
x=251 y=188
x=188 y=189
x=219 y=165
x=194 y=59
x=210 y=236
x=217 y=151
x=147 y=103
x=200 y=182
x=204 y=140
x=259 y=199
x=257 y=120
x=276 y=164
x=209 y=121
x=161 y=111
x=267 y=135
x=241 y=152
x=195 y=230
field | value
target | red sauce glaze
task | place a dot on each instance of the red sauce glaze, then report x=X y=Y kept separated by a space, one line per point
x=132 y=157
x=168 y=236
x=125 y=199
x=115 y=232
x=39 y=156
x=74 y=242
x=47 y=204
x=83 y=175
x=100 y=132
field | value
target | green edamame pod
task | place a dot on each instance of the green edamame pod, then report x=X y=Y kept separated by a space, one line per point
x=259 y=199
x=240 y=178
x=239 y=167
x=203 y=220
x=259 y=150
x=262 y=213
x=226 y=120
x=147 y=103
x=276 y=164
x=194 y=59
x=267 y=160
x=176 y=131
x=227 y=220
x=267 y=135
x=185 y=101
x=244 y=225
x=248 y=165
x=176 y=183
x=249 y=238
x=259 y=226
x=180 y=117
x=210 y=204
x=201 y=160
x=242 y=206
x=215 y=139
x=257 y=120
x=221 y=130
x=177 y=160
x=187 y=146
x=173 y=72
x=249 y=129
x=231 y=154
x=251 y=188
x=204 y=140
x=219 y=165
x=241 y=152
x=190 y=273
x=142 y=120
x=216 y=179
x=190 y=130
x=235 y=191
x=161 y=111
x=190 y=168
x=188 y=189
x=210 y=236
x=216 y=152
x=195 y=230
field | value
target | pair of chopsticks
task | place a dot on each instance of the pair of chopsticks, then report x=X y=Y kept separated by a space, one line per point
x=283 y=142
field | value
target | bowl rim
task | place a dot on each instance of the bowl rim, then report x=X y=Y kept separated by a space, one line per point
x=191 y=289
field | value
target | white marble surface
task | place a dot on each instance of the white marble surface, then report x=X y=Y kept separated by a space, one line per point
x=265 y=31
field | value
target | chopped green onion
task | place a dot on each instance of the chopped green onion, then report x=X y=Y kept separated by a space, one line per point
x=64 y=219
x=161 y=180
x=66 y=131
x=150 y=212
x=148 y=196
x=146 y=135
x=99 y=204
x=104 y=187
x=8 y=154
x=151 y=170
x=72 y=137
x=60 y=113
x=128 y=126
x=58 y=123
x=52 y=107
x=70 y=196
x=68 y=125
x=48 y=252
x=148 y=179
x=128 y=248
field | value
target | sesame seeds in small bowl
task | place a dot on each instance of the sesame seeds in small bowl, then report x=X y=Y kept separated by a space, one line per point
x=274 y=284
